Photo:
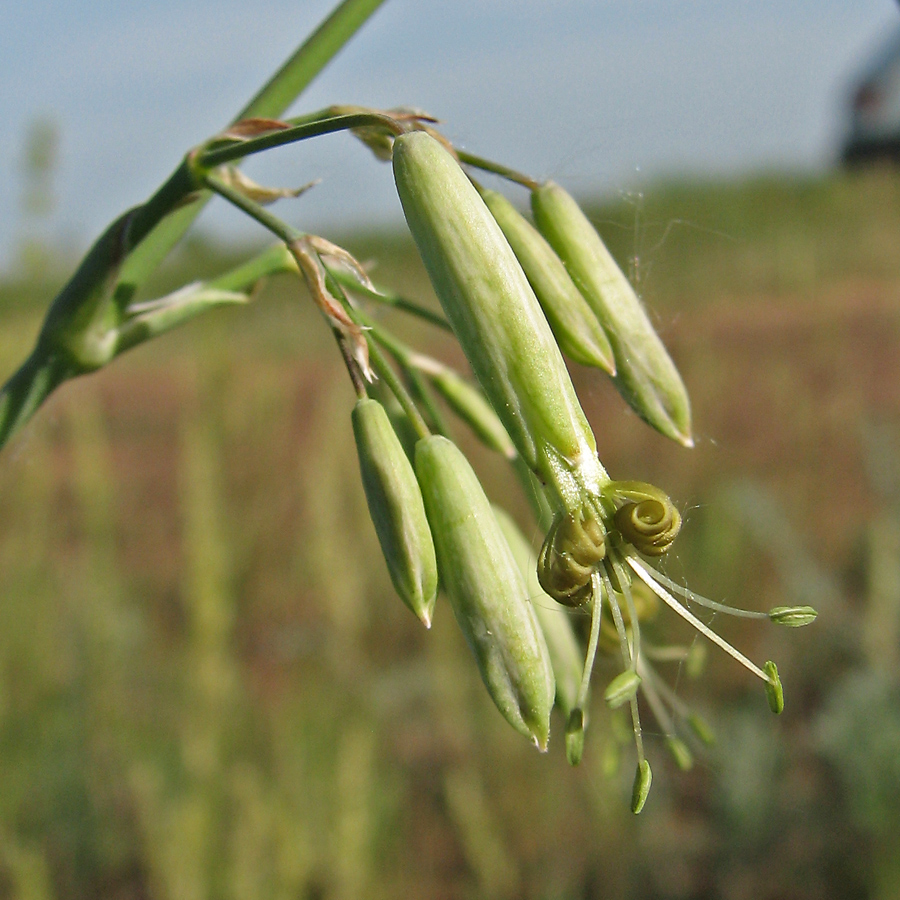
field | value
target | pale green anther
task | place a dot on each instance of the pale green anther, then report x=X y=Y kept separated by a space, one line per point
x=622 y=689
x=695 y=662
x=555 y=620
x=397 y=509
x=774 y=690
x=575 y=737
x=793 y=616
x=681 y=753
x=645 y=374
x=701 y=729
x=641 y=788
x=471 y=406
x=486 y=589
x=577 y=330
x=496 y=318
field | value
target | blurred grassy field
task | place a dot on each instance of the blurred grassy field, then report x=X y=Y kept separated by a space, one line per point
x=209 y=690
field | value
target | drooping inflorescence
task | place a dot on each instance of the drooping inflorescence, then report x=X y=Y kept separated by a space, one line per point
x=518 y=296
x=485 y=266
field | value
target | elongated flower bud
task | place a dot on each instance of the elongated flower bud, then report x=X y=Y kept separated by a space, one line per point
x=576 y=328
x=397 y=509
x=486 y=589
x=565 y=656
x=496 y=317
x=645 y=374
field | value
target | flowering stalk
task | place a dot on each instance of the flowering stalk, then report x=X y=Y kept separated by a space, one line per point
x=603 y=530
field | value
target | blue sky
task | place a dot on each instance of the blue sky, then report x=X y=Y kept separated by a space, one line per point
x=602 y=95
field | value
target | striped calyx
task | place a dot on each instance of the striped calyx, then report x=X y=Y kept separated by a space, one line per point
x=496 y=318
x=397 y=509
x=645 y=374
x=487 y=592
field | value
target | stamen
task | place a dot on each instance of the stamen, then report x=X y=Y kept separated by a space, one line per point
x=705 y=601
x=596 y=610
x=630 y=662
x=619 y=622
x=624 y=583
x=657 y=707
x=688 y=616
x=672 y=653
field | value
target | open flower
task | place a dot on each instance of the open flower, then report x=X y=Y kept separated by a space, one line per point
x=612 y=574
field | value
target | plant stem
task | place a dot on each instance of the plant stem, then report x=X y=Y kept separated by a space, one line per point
x=351 y=283
x=271 y=101
x=279 y=228
x=309 y=59
x=486 y=165
x=209 y=159
x=389 y=376
x=38 y=376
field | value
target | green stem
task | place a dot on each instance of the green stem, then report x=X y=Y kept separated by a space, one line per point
x=279 y=228
x=406 y=359
x=351 y=283
x=274 y=260
x=271 y=101
x=487 y=165
x=389 y=376
x=38 y=376
x=209 y=159
x=310 y=58
x=596 y=612
x=374 y=335
x=131 y=248
x=356 y=377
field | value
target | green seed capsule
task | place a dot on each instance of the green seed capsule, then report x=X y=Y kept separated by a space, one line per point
x=645 y=374
x=496 y=317
x=397 y=509
x=622 y=689
x=579 y=334
x=793 y=616
x=565 y=656
x=486 y=589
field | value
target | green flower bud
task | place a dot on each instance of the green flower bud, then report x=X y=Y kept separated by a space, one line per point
x=496 y=318
x=622 y=689
x=793 y=616
x=645 y=374
x=774 y=690
x=701 y=729
x=470 y=405
x=579 y=334
x=575 y=737
x=397 y=509
x=486 y=589
x=565 y=656
x=642 y=778
x=681 y=753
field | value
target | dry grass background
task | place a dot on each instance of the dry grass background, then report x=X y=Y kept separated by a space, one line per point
x=208 y=689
